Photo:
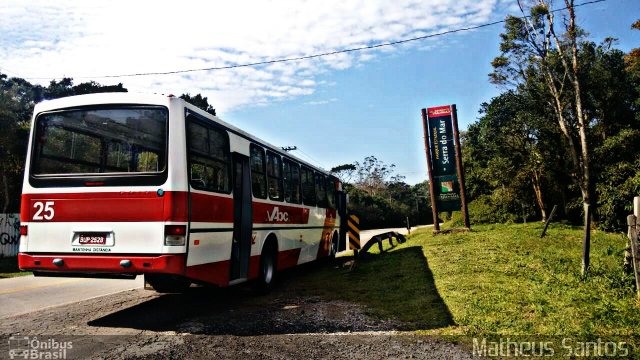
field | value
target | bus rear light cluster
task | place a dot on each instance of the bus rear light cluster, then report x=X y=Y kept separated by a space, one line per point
x=24 y=230
x=175 y=235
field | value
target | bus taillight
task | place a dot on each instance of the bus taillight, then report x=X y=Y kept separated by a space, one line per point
x=174 y=235
x=24 y=231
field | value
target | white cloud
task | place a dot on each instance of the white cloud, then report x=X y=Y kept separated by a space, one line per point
x=90 y=39
x=321 y=102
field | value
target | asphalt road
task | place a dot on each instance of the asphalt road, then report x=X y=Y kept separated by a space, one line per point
x=26 y=294
x=118 y=319
x=365 y=235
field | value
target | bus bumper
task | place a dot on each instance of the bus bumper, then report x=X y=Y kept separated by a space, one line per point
x=121 y=264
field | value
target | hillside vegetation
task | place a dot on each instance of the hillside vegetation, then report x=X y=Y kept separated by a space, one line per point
x=497 y=279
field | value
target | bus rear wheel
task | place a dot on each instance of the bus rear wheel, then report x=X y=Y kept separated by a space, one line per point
x=334 y=246
x=164 y=283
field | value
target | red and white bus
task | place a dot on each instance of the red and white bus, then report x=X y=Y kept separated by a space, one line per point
x=118 y=185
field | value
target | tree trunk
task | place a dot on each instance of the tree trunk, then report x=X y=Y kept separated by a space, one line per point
x=537 y=189
x=585 y=184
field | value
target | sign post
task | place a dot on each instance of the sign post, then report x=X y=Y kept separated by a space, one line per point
x=434 y=203
x=444 y=161
x=460 y=169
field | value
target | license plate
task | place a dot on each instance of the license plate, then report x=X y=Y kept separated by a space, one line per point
x=92 y=239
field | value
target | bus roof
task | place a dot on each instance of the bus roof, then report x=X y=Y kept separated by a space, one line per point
x=156 y=99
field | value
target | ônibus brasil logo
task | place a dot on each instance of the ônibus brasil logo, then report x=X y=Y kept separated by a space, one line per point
x=277 y=215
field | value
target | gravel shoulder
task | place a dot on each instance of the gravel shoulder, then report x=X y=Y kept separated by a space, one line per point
x=223 y=323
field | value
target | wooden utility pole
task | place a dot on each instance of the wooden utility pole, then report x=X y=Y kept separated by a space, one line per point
x=456 y=137
x=546 y=224
x=635 y=249
x=434 y=210
x=586 y=243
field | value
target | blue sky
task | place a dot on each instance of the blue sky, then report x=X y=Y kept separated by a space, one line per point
x=337 y=110
x=376 y=106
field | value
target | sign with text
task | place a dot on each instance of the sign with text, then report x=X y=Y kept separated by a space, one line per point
x=442 y=152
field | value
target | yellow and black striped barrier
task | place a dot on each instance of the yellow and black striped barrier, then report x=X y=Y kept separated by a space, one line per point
x=354 y=232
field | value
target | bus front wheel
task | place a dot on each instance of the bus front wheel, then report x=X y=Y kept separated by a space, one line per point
x=268 y=265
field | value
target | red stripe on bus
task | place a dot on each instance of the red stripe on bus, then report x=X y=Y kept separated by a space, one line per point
x=125 y=207
x=176 y=206
x=27 y=210
x=288 y=258
x=211 y=208
x=216 y=273
x=90 y=207
x=165 y=264
x=327 y=233
x=254 y=267
x=148 y=206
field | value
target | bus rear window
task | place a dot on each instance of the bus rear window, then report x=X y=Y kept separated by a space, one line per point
x=100 y=142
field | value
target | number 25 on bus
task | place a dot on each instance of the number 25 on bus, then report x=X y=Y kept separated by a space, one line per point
x=118 y=185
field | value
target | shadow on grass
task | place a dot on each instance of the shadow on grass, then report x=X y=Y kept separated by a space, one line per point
x=398 y=284
x=390 y=291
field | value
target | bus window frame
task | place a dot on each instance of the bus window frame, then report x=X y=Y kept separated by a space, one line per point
x=264 y=170
x=321 y=201
x=313 y=177
x=207 y=124
x=104 y=179
x=278 y=158
x=331 y=184
x=299 y=183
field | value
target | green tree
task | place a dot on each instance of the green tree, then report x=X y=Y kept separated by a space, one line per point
x=372 y=175
x=509 y=154
x=13 y=143
x=617 y=106
x=344 y=172
x=381 y=196
x=532 y=51
x=17 y=100
x=199 y=101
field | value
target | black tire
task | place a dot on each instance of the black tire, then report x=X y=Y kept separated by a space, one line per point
x=333 y=250
x=164 y=283
x=268 y=268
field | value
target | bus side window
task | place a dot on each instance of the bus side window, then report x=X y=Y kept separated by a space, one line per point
x=291 y=178
x=308 y=187
x=331 y=192
x=119 y=156
x=274 y=176
x=321 y=190
x=258 y=178
x=198 y=175
x=147 y=161
x=209 y=158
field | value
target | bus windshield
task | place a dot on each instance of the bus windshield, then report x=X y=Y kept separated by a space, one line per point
x=100 y=141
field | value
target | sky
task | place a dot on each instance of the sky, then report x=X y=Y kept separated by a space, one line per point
x=336 y=109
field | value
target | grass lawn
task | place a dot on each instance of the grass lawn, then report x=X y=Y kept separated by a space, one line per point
x=9 y=268
x=495 y=280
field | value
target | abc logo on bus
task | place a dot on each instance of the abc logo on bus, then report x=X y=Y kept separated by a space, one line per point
x=277 y=215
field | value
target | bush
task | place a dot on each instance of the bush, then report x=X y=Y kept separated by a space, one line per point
x=484 y=210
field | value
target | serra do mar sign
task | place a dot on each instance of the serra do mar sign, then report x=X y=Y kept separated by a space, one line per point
x=444 y=161
x=443 y=152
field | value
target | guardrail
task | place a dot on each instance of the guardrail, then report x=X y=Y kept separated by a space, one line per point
x=9 y=234
x=378 y=239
